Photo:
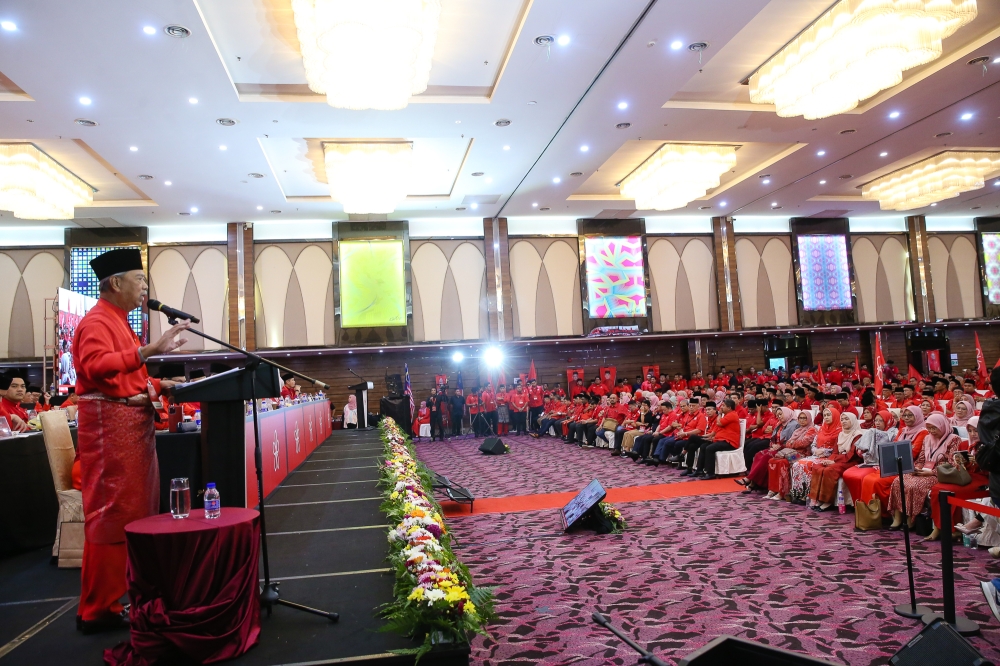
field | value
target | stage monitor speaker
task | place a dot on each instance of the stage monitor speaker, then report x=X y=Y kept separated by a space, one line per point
x=938 y=644
x=727 y=650
x=583 y=503
x=394 y=385
x=493 y=446
x=399 y=410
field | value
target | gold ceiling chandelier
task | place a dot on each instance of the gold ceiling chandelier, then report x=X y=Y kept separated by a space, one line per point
x=854 y=50
x=369 y=177
x=367 y=54
x=677 y=174
x=934 y=179
x=34 y=186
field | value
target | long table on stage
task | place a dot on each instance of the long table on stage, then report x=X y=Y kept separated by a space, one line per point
x=288 y=435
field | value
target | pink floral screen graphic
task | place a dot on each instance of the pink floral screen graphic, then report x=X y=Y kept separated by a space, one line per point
x=991 y=260
x=826 y=281
x=616 y=286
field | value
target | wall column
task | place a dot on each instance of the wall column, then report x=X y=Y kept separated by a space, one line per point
x=730 y=318
x=499 y=292
x=920 y=268
x=239 y=255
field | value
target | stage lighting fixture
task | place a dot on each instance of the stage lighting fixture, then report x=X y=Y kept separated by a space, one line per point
x=458 y=357
x=493 y=356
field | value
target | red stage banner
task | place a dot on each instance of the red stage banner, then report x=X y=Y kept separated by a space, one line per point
x=934 y=360
x=609 y=382
x=572 y=374
x=655 y=369
x=295 y=435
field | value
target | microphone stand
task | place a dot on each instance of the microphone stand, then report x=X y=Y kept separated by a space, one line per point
x=647 y=656
x=269 y=594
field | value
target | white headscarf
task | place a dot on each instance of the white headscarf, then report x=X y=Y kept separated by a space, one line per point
x=847 y=435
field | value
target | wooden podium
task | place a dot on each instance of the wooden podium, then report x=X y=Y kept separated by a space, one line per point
x=223 y=424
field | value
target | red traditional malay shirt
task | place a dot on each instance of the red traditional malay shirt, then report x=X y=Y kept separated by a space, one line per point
x=106 y=350
x=473 y=402
x=8 y=406
x=536 y=396
x=489 y=401
x=519 y=401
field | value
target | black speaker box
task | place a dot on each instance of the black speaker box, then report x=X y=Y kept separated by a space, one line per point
x=394 y=385
x=939 y=645
x=493 y=446
x=727 y=650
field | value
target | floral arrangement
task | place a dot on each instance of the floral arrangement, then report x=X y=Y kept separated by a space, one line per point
x=435 y=597
x=615 y=517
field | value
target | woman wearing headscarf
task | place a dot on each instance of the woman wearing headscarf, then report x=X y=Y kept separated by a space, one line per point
x=826 y=473
x=422 y=417
x=940 y=446
x=884 y=431
x=964 y=410
x=913 y=429
x=351 y=412
x=868 y=418
x=972 y=490
x=756 y=477
x=799 y=444
x=823 y=448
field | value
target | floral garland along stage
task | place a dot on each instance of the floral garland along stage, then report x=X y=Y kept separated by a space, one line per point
x=435 y=598
x=613 y=515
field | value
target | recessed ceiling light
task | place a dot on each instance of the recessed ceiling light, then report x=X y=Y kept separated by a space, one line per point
x=178 y=31
x=773 y=204
x=996 y=183
x=966 y=116
x=883 y=154
x=85 y=122
x=8 y=25
x=473 y=205
x=167 y=183
x=544 y=40
x=227 y=122
x=933 y=204
x=144 y=176
x=133 y=148
x=623 y=125
x=557 y=180
x=192 y=100
x=722 y=204
x=149 y=30
x=535 y=205
x=85 y=101
x=544 y=208
x=941 y=135
x=532 y=102
x=822 y=182
x=820 y=153
x=194 y=209
x=677 y=45
x=848 y=131
x=460 y=208
x=503 y=122
x=766 y=181
x=458 y=122
x=576 y=173
x=183 y=213
x=894 y=115
x=584 y=149
x=276 y=212
x=222 y=147
x=996 y=61
x=506 y=147
x=260 y=208
x=622 y=105
x=563 y=40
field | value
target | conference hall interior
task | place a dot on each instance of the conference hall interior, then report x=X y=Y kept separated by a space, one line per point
x=500 y=332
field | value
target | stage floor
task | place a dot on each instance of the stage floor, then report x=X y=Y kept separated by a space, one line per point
x=328 y=546
x=687 y=569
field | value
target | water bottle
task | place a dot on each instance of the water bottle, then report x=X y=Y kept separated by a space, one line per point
x=197 y=417
x=212 y=507
x=840 y=502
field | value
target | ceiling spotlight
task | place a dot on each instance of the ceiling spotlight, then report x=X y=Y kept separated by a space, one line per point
x=996 y=183
x=535 y=205
x=677 y=45
x=149 y=30
x=563 y=40
x=85 y=101
x=883 y=154
x=544 y=40
x=822 y=182
x=933 y=204
x=766 y=181
x=557 y=180
x=167 y=183
x=623 y=125
x=722 y=204
x=502 y=122
x=894 y=115
x=458 y=357
x=996 y=61
x=260 y=208
x=228 y=122
x=473 y=205
x=584 y=149
x=966 y=116
x=622 y=105
x=773 y=204
x=222 y=147
x=178 y=31
x=194 y=209
x=820 y=153
x=133 y=148
x=506 y=147
x=8 y=25
x=493 y=356
x=192 y=100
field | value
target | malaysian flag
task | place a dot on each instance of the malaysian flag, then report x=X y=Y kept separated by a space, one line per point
x=406 y=387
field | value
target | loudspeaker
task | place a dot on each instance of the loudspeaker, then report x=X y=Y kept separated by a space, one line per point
x=938 y=645
x=394 y=385
x=727 y=650
x=493 y=446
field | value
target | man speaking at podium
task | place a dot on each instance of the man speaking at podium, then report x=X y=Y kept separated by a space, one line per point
x=116 y=448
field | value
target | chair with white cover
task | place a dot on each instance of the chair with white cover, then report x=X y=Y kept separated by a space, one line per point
x=732 y=462
x=425 y=430
x=68 y=546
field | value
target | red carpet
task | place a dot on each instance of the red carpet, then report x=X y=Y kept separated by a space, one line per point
x=519 y=503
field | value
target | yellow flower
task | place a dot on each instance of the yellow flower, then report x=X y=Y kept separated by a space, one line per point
x=417 y=594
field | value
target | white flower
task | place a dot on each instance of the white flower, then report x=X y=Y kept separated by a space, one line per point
x=433 y=595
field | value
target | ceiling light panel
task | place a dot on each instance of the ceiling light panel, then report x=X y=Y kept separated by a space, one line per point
x=853 y=51
x=677 y=174
x=33 y=186
x=369 y=177
x=934 y=179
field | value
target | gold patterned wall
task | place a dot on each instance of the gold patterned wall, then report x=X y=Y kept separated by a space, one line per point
x=767 y=281
x=28 y=278
x=883 y=287
x=545 y=277
x=195 y=279
x=294 y=294
x=449 y=290
x=954 y=276
x=682 y=283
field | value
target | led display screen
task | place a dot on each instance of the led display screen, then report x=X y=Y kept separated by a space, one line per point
x=991 y=262
x=826 y=281
x=82 y=280
x=372 y=289
x=616 y=286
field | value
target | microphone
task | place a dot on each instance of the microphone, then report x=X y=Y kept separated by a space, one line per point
x=171 y=312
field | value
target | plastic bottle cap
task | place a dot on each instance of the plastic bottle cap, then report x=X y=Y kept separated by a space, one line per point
x=211 y=485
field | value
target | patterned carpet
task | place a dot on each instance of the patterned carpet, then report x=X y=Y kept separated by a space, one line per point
x=687 y=569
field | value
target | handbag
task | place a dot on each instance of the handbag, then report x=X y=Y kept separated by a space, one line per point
x=868 y=516
x=609 y=424
x=955 y=475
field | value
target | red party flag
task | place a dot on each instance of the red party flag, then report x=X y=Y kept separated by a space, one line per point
x=531 y=371
x=879 y=365
x=913 y=373
x=820 y=379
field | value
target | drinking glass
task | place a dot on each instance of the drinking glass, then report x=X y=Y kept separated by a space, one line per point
x=180 y=498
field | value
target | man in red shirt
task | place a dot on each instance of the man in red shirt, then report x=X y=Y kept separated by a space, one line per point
x=723 y=435
x=584 y=418
x=519 y=410
x=119 y=474
x=472 y=406
x=557 y=391
x=616 y=410
x=597 y=387
x=834 y=375
x=694 y=421
x=10 y=404
x=289 y=391
x=536 y=402
x=488 y=401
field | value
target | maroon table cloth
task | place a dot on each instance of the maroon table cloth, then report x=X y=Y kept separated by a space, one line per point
x=193 y=588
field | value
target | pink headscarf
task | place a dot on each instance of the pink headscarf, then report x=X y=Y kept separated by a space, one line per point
x=971 y=404
x=909 y=432
x=934 y=446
